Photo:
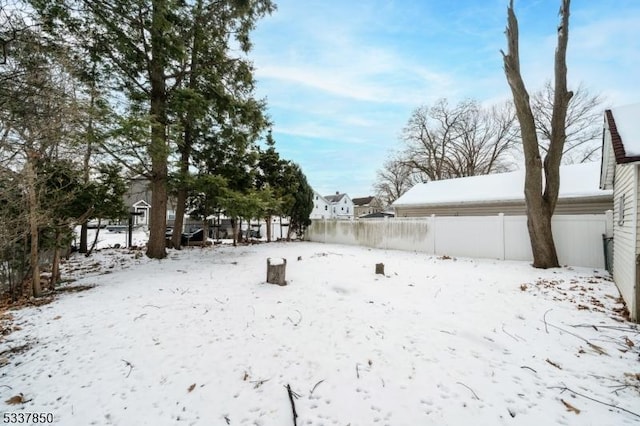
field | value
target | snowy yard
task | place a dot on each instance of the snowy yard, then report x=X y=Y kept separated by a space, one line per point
x=200 y=339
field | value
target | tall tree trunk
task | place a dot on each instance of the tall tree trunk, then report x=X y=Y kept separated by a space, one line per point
x=205 y=232
x=86 y=162
x=95 y=239
x=84 y=237
x=186 y=146
x=234 y=227
x=158 y=149
x=55 y=264
x=541 y=189
x=268 y=220
x=181 y=204
x=33 y=224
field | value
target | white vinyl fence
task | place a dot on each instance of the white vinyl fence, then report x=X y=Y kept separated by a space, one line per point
x=578 y=238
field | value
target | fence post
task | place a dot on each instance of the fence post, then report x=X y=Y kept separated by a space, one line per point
x=501 y=235
x=387 y=232
x=324 y=227
x=433 y=226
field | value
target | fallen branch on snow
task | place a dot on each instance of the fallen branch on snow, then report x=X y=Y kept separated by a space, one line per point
x=564 y=388
x=128 y=365
x=315 y=386
x=631 y=329
x=293 y=395
x=544 y=318
x=474 y=394
x=295 y=324
x=596 y=348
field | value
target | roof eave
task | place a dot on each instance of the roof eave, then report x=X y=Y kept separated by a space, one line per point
x=607 y=194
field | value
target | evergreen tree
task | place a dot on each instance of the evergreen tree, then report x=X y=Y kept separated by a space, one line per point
x=152 y=48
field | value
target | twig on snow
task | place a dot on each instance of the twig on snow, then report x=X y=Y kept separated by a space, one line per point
x=139 y=316
x=596 y=348
x=564 y=388
x=631 y=329
x=544 y=318
x=529 y=368
x=315 y=386
x=295 y=324
x=152 y=306
x=554 y=364
x=474 y=394
x=293 y=395
x=128 y=365
x=357 y=370
x=258 y=383
x=510 y=335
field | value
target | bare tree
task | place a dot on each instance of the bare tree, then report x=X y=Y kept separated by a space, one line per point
x=37 y=120
x=465 y=140
x=542 y=178
x=394 y=179
x=583 y=123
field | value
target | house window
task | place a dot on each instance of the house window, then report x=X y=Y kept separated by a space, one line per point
x=171 y=215
x=316 y=197
x=621 y=210
x=347 y=209
x=341 y=209
x=325 y=208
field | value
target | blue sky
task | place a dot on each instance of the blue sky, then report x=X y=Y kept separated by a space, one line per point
x=342 y=77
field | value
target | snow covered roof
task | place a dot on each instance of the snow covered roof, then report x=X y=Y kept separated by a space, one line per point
x=363 y=201
x=576 y=181
x=334 y=198
x=624 y=125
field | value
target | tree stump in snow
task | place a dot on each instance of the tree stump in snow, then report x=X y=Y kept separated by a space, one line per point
x=276 y=269
x=380 y=268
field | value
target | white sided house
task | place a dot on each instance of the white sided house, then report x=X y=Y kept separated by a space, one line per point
x=504 y=193
x=620 y=173
x=338 y=206
x=320 y=207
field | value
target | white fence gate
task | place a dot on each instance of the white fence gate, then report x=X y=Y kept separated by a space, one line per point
x=578 y=238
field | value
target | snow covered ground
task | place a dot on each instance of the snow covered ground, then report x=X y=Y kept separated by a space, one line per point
x=200 y=339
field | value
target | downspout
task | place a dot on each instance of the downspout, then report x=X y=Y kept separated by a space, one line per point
x=635 y=310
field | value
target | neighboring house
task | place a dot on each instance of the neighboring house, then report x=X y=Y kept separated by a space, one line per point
x=620 y=172
x=138 y=200
x=504 y=193
x=341 y=206
x=338 y=206
x=320 y=207
x=366 y=205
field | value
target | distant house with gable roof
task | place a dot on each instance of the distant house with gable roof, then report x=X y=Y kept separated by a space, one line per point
x=366 y=206
x=338 y=206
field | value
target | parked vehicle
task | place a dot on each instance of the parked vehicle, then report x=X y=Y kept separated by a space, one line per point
x=195 y=237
